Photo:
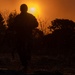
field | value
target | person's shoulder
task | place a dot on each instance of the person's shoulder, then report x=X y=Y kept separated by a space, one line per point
x=30 y=15
x=17 y=15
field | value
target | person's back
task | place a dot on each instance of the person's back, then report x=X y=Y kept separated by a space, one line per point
x=24 y=23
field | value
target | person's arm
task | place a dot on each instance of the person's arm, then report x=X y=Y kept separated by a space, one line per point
x=35 y=22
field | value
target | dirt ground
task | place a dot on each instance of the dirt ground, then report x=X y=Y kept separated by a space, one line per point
x=39 y=62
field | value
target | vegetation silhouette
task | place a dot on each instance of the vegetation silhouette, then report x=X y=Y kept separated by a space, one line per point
x=2 y=30
x=62 y=24
x=62 y=39
x=37 y=40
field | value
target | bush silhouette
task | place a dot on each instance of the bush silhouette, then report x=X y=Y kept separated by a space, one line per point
x=62 y=39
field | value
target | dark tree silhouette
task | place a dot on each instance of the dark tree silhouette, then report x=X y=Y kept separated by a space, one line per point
x=37 y=39
x=63 y=35
x=10 y=19
x=2 y=28
x=10 y=33
x=62 y=24
x=37 y=33
x=10 y=39
x=63 y=27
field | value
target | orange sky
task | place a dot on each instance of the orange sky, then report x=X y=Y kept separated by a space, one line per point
x=48 y=8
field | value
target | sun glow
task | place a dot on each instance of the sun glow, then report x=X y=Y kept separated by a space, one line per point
x=33 y=9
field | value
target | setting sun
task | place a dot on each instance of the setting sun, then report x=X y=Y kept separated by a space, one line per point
x=33 y=9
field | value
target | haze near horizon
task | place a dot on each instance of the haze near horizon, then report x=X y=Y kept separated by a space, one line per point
x=50 y=9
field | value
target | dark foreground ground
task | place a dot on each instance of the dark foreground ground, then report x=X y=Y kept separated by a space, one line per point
x=39 y=62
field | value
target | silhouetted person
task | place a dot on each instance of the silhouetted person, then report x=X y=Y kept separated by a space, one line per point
x=24 y=23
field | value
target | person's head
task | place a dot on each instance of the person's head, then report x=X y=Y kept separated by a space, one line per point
x=23 y=8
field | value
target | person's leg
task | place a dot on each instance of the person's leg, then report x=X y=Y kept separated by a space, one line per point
x=24 y=56
x=24 y=62
x=24 y=51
